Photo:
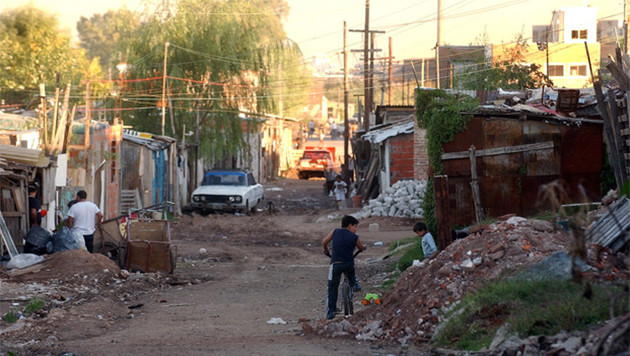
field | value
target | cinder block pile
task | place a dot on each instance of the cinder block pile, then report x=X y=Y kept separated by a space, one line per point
x=403 y=199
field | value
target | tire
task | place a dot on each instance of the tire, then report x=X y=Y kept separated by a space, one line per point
x=303 y=175
x=246 y=210
x=347 y=297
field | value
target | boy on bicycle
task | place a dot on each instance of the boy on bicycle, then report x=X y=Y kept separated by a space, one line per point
x=344 y=241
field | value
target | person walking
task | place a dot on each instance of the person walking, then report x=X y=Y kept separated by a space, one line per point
x=83 y=217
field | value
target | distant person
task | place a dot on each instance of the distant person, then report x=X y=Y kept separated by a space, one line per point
x=83 y=217
x=428 y=244
x=34 y=206
x=333 y=131
x=350 y=168
x=344 y=241
x=340 y=189
x=311 y=129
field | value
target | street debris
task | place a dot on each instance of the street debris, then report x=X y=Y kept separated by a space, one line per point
x=413 y=307
x=276 y=321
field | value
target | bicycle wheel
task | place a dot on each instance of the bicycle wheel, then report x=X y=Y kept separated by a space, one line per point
x=345 y=293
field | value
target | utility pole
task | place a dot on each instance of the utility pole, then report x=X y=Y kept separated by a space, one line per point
x=372 y=40
x=346 y=128
x=164 y=87
x=403 y=82
x=391 y=77
x=366 y=78
x=366 y=66
x=437 y=45
x=626 y=19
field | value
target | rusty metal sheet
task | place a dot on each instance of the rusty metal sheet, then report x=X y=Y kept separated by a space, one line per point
x=541 y=162
x=510 y=183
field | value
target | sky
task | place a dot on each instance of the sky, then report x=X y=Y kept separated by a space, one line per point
x=317 y=25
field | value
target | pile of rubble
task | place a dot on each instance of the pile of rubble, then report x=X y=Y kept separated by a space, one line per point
x=403 y=199
x=83 y=293
x=411 y=310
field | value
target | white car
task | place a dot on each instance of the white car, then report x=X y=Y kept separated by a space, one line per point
x=227 y=190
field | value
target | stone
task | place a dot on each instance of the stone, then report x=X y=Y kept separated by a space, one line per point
x=374 y=227
x=467 y=263
x=500 y=336
x=542 y=226
x=307 y=329
x=497 y=255
x=570 y=345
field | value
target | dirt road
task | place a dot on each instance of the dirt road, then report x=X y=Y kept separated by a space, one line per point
x=256 y=268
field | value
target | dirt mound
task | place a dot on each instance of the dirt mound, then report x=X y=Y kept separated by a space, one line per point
x=66 y=264
x=410 y=310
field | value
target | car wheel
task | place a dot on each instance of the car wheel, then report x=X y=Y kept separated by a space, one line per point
x=254 y=209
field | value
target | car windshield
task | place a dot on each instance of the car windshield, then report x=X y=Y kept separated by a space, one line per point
x=316 y=155
x=236 y=179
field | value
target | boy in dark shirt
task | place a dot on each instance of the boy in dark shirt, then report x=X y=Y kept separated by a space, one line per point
x=344 y=241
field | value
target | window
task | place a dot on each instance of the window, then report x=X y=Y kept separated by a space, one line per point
x=577 y=70
x=579 y=34
x=556 y=70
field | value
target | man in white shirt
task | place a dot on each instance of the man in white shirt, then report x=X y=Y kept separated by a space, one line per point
x=83 y=217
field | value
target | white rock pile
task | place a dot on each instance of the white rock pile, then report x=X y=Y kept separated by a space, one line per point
x=403 y=199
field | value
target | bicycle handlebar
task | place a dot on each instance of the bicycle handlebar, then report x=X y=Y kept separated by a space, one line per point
x=327 y=253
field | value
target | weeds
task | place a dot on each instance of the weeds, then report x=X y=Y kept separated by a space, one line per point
x=11 y=317
x=33 y=306
x=527 y=310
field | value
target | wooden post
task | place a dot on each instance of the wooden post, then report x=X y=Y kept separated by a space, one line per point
x=440 y=186
x=474 y=184
x=616 y=129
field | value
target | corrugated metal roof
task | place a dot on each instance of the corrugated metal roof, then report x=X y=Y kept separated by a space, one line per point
x=612 y=230
x=154 y=143
x=382 y=134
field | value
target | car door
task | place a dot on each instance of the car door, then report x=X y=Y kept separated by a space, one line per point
x=256 y=189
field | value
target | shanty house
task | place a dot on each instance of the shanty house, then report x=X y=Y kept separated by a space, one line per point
x=507 y=160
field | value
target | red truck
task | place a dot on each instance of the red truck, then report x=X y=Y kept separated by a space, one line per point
x=317 y=162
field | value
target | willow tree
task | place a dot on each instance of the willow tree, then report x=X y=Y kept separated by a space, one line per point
x=221 y=60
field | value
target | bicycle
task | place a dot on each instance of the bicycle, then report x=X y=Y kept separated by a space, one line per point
x=345 y=300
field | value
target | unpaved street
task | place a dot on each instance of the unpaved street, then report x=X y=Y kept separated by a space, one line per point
x=256 y=268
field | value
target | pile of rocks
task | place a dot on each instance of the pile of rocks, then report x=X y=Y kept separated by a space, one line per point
x=411 y=309
x=403 y=199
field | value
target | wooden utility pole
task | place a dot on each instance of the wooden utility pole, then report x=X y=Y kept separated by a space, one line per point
x=403 y=82
x=366 y=78
x=437 y=45
x=626 y=20
x=164 y=87
x=87 y=117
x=372 y=40
x=391 y=77
x=346 y=128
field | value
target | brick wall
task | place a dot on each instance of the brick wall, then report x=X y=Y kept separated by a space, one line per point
x=420 y=155
x=401 y=157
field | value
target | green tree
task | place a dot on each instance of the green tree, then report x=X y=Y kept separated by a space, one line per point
x=33 y=51
x=508 y=71
x=100 y=34
x=225 y=57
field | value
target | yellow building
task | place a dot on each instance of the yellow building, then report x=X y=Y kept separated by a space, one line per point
x=568 y=62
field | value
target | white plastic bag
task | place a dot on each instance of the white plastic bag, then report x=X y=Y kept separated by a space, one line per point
x=24 y=260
